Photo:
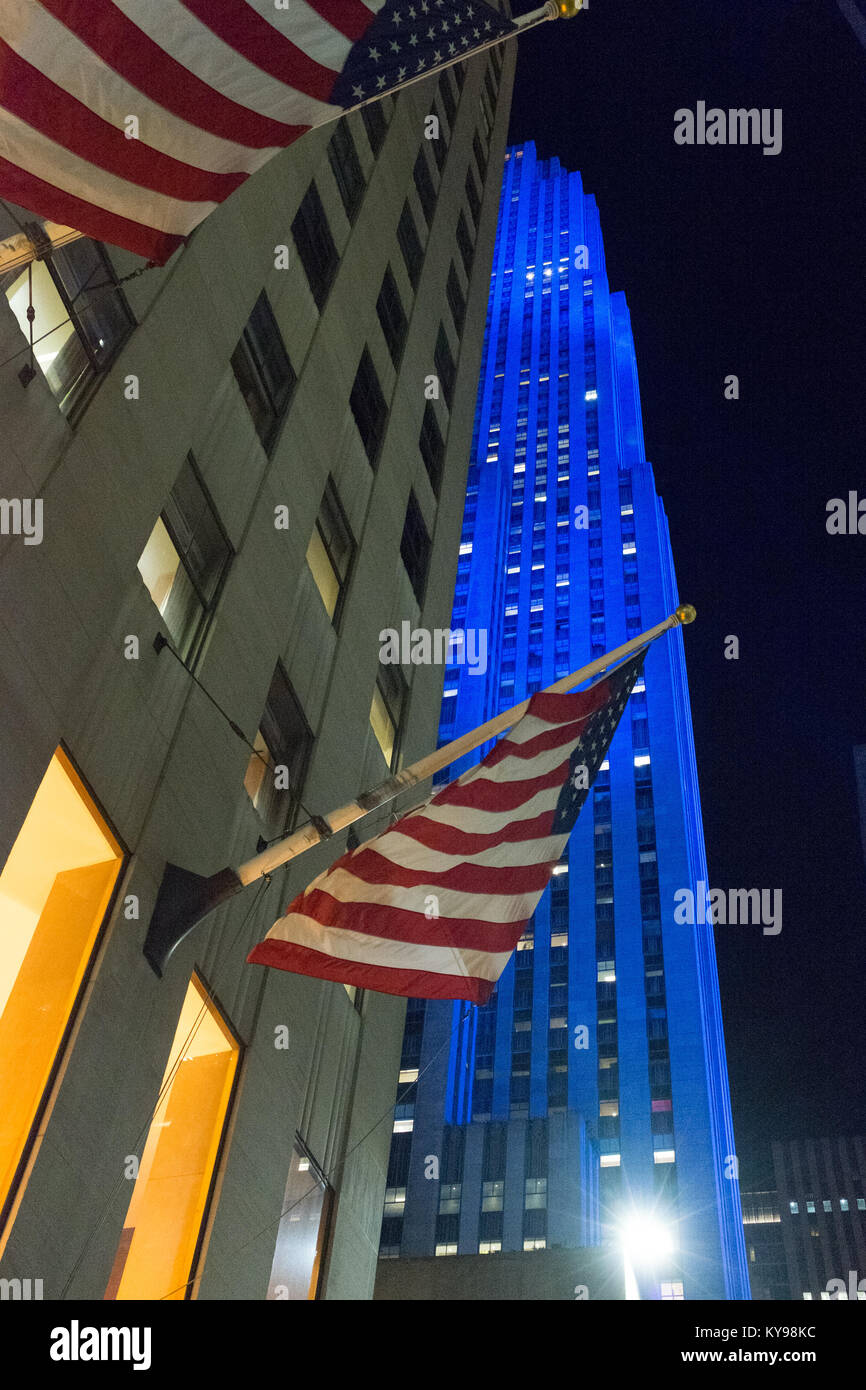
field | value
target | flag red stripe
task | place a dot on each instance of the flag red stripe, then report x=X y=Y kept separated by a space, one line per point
x=556 y=709
x=56 y=205
x=499 y=880
x=141 y=62
x=238 y=25
x=541 y=743
x=397 y=924
x=46 y=107
x=350 y=17
x=448 y=839
x=483 y=794
x=414 y=984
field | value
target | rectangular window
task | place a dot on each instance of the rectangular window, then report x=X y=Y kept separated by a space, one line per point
x=445 y=369
x=330 y=552
x=432 y=447
x=55 y=890
x=263 y=372
x=410 y=245
x=449 y=101
x=81 y=318
x=424 y=186
x=184 y=562
x=303 y=1230
x=276 y=770
x=375 y=123
x=392 y=316
x=472 y=196
x=346 y=168
x=456 y=299
x=415 y=548
x=465 y=244
x=368 y=407
x=312 y=237
x=160 y=1240
x=387 y=710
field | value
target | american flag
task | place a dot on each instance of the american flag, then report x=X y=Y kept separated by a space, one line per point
x=217 y=87
x=433 y=907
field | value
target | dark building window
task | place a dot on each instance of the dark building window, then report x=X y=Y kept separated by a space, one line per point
x=480 y=157
x=472 y=196
x=276 y=771
x=263 y=371
x=432 y=447
x=375 y=123
x=392 y=317
x=185 y=560
x=330 y=553
x=445 y=368
x=456 y=299
x=415 y=548
x=315 y=245
x=410 y=245
x=424 y=185
x=346 y=168
x=368 y=407
x=73 y=294
x=465 y=244
x=449 y=101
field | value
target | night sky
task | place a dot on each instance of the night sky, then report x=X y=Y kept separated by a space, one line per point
x=733 y=261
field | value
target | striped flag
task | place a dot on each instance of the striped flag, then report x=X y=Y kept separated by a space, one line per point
x=433 y=907
x=130 y=120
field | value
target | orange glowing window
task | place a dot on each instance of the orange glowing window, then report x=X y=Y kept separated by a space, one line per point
x=160 y=1237
x=55 y=889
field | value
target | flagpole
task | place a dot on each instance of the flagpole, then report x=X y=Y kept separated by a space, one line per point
x=185 y=897
x=303 y=839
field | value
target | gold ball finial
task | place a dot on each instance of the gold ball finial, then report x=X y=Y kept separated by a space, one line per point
x=569 y=8
x=686 y=613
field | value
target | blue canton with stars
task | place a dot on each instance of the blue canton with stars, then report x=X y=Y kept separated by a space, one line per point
x=406 y=40
x=591 y=749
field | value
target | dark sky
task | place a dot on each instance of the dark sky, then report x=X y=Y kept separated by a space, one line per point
x=733 y=261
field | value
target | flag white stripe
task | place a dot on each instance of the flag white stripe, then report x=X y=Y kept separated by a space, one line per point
x=479 y=907
x=202 y=52
x=477 y=822
x=307 y=30
x=45 y=159
x=378 y=950
x=45 y=43
x=531 y=726
x=508 y=854
x=513 y=770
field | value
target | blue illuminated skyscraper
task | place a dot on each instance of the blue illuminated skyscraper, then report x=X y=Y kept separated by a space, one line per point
x=593 y=1087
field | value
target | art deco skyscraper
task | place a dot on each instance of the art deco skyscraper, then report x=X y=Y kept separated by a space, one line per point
x=593 y=1087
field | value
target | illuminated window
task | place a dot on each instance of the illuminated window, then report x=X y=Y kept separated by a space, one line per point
x=673 y=1289
x=160 y=1239
x=489 y=1247
x=403 y=1126
x=395 y=1201
x=55 y=890
x=330 y=552
x=81 y=318
x=276 y=770
x=446 y=1249
x=302 y=1232
x=538 y=1244
x=386 y=712
x=408 y=1074
x=492 y=1195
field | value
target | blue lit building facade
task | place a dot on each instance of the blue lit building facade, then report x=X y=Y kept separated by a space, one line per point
x=593 y=1086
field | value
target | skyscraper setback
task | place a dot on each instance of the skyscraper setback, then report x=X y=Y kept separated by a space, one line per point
x=592 y=1090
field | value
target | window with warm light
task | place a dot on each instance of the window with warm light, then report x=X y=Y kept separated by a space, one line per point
x=55 y=890
x=160 y=1239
